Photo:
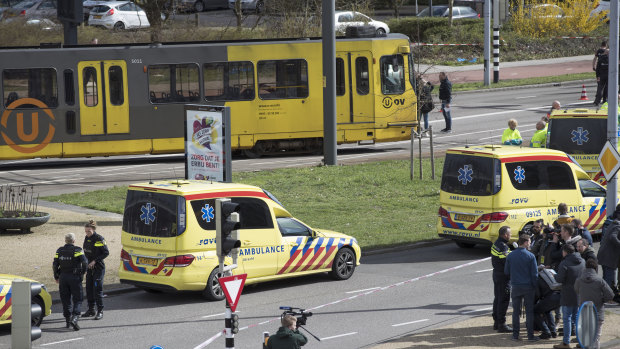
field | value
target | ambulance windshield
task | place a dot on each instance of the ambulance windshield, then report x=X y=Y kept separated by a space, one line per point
x=469 y=175
x=578 y=135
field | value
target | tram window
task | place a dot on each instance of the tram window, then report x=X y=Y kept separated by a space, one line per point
x=115 y=77
x=174 y=83
x=362 y=78
x=229 y=81
x=340 y=84
x=392 y=74
x=91 y=93
x=37 y=83
x=69 y=87
x=283 y=79
x=412 y=77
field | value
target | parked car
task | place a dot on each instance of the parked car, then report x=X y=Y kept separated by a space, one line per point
x=44 y=300
x=199 y=5
x=346 y=19
x=33 y=10
x=88 y=5
x=118 y=16
x=444 y=11
x=257 y=6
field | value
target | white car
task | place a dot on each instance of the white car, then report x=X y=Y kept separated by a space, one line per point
x=118 y=16
x=346 y=19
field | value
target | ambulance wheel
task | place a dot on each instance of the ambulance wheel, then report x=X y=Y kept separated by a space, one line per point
x=213 y=291
x=462 y=244
x=344 y=264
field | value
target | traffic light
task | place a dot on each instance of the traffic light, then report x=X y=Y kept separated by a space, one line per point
x=23 y=331
x=226 y=221
x=234 y=323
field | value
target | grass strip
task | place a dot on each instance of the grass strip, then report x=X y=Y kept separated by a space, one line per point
x=470 y=86
x=375 y=202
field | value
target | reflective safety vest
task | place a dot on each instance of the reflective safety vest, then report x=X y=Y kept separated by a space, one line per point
x=539 y=139
x=511 y=137
x=605 y=106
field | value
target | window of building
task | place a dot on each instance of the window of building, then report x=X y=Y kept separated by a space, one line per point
x=283 y=79
x=174 y=83
x=392 y=74
x=37 y=83
x=229 y=81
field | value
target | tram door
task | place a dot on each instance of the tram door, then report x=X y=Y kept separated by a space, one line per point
x=104 y=100
x=354 y=92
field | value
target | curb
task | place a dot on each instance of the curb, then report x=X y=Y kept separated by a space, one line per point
x=508 y=88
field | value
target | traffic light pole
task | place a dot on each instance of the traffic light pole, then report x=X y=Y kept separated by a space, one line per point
x=230 y=337
x=22 y=331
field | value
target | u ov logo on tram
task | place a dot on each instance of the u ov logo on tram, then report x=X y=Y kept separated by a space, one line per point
x=20 y=129
x=389 y=101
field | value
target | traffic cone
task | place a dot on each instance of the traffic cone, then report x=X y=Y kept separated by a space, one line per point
x=584 y=96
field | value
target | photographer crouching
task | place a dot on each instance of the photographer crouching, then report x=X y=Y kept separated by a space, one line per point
x=288 y=336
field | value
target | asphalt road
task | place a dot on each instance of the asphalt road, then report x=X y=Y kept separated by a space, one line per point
x=389 y=295
x=478 y=118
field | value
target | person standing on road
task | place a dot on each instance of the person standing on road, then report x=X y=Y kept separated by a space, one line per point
x=501 y=282
x=69 y=266
x=511 y=135
x=523 y=272
x=585 y=250
x=602 y=71
x=590 y=287
x=96 y=251
x=426 y=100
x=609 y=253
x=539 y=139
x=288 y=336
x=580 y=229
x=569 y=270
x=445 y=95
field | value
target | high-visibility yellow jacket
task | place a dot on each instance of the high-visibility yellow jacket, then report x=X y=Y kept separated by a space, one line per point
x=539 y=139
x=511 y=137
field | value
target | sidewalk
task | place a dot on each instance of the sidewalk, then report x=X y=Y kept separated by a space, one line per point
x=511 y=70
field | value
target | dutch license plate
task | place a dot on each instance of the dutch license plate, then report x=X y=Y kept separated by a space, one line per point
x=97 y=17
x=147 y=261
x=464 y=217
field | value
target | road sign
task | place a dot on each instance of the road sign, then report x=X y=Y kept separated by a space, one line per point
x=609 y=160
x=232 y=287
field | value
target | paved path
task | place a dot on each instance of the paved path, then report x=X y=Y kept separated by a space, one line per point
x=511 y=70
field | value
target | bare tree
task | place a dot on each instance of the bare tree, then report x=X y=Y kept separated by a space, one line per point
x=451 y=3
x=396 y=5
x=154 y=10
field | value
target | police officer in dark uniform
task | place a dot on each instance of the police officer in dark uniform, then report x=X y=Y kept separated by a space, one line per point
x=501 y=287
x=69 y=267
x=96 y=251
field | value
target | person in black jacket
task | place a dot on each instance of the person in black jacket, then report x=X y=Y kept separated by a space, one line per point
x=445 y=95
x=96 y=251
x=547 y=300
x=601 y=67
x=501 y=282
x=69 y=266
x=568 y=271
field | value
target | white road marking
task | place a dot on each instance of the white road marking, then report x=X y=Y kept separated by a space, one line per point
x=409 y=323
x=476 y=310
x=484 y=270
x=208 y=316
x=340 y=335
x=68 y=340
x=524 y=97
x=367 y=289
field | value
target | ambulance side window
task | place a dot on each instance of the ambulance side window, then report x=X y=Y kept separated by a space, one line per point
x=292 y=227
x=560 y=176
x=254 y=213
x=590 y=189
x=526 y=175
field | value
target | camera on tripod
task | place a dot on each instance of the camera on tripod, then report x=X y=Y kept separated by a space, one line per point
x=302 y=315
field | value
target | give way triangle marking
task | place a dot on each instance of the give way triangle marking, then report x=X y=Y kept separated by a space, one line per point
x=232 y=287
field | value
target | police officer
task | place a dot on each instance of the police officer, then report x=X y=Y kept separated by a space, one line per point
x=69 y=267
x=96 y=251
x=501 y=288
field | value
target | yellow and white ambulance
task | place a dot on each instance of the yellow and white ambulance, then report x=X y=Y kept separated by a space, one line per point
x=486 y=187
x=169 y=243
x=43 y=299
